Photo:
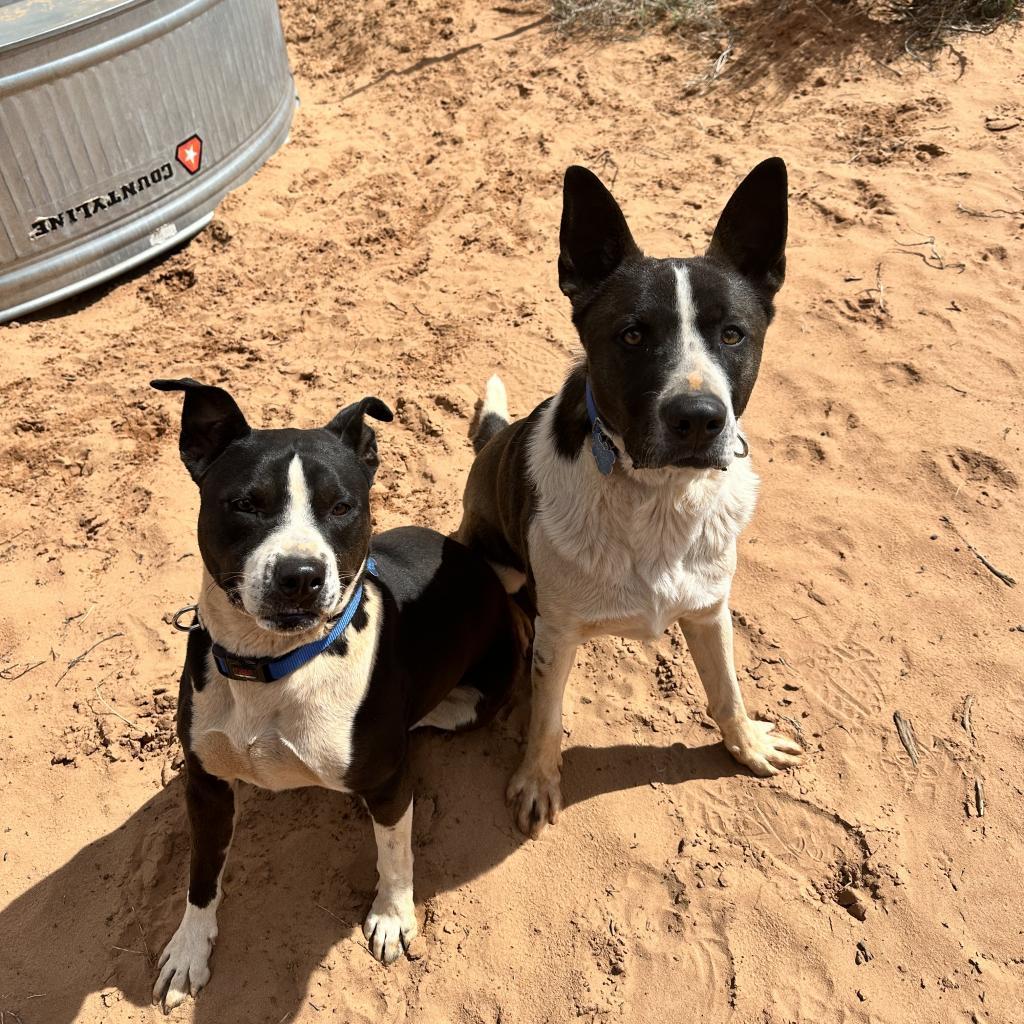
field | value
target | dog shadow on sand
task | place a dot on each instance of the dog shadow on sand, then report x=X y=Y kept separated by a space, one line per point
x=299 y=880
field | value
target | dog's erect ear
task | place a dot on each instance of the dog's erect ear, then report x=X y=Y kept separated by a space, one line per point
x=351 y=427
x=210 y=421
x=594 y=238
x=751 y=233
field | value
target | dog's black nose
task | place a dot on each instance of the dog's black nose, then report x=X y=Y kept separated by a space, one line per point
x=696 y=419
x=299 y=580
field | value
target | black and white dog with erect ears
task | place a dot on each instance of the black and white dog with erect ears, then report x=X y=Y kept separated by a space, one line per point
x=617 y=502
x=316 y=649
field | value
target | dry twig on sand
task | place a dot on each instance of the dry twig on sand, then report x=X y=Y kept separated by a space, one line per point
x=145 y=943
x=11 y=540
x=878 y=290
x=905 y=730
x=998 y=573
x=111 y=711
x=991 y=215
x=933 y=259
x=10 y=674
x=81 y=657
x=965 y=716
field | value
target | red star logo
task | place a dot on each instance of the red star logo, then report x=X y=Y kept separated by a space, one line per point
x=190 y=153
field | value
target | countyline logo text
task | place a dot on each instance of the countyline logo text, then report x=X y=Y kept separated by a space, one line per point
x=123 y=193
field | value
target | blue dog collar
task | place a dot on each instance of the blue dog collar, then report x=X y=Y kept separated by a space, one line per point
x=605 y=452
x=269 y=670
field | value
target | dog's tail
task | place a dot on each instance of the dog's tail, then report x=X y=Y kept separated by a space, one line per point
x=493 y=417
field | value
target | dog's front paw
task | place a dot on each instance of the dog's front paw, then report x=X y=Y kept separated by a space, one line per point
x=535 y=795
x=390 y=927
x=757 y=745
x=184 y=964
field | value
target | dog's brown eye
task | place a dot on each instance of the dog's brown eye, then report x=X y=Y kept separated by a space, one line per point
x=732 y=336
x=243 y=505
x=341 y=509
x=632 y=336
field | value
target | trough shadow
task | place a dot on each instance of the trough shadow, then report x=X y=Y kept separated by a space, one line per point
x=84 y=299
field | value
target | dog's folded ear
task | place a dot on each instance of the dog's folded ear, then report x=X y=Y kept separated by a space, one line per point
x=594 y=238
x=210 y=421
x=351 y=427
x=751 y=233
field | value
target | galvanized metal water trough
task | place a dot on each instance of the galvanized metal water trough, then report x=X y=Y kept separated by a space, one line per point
x=122 y=124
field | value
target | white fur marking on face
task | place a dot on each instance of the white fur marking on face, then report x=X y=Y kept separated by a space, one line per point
x=297 y=535
x=695 y=363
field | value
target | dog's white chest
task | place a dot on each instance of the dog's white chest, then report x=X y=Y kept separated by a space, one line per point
x=648 y=602
x=295 y=732
x=629 y=587
x=621 y=556
x=263 y=757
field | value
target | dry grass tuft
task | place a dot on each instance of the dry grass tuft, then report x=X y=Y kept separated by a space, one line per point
x=615 y=17
x=923 y=26
x=930 y=24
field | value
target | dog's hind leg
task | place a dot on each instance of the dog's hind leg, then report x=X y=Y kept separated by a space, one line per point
x=485 y=687
x=184 y=963
x=535 y=789
x=511 y=579
x=752 y=742
x=391 y=925
x=457 y=711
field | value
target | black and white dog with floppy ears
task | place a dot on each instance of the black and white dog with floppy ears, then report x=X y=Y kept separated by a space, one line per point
x=316 y=649
x=618 y=501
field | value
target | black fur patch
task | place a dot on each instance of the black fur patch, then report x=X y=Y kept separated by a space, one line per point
x=209 y=801
x=194 y=672
x=360 y=620
x=570 y=423
x=499 y=500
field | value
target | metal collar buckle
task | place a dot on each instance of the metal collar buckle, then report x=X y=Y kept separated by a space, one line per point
x=176 y=619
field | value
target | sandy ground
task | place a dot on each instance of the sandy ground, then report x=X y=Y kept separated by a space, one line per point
x=403 y=244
